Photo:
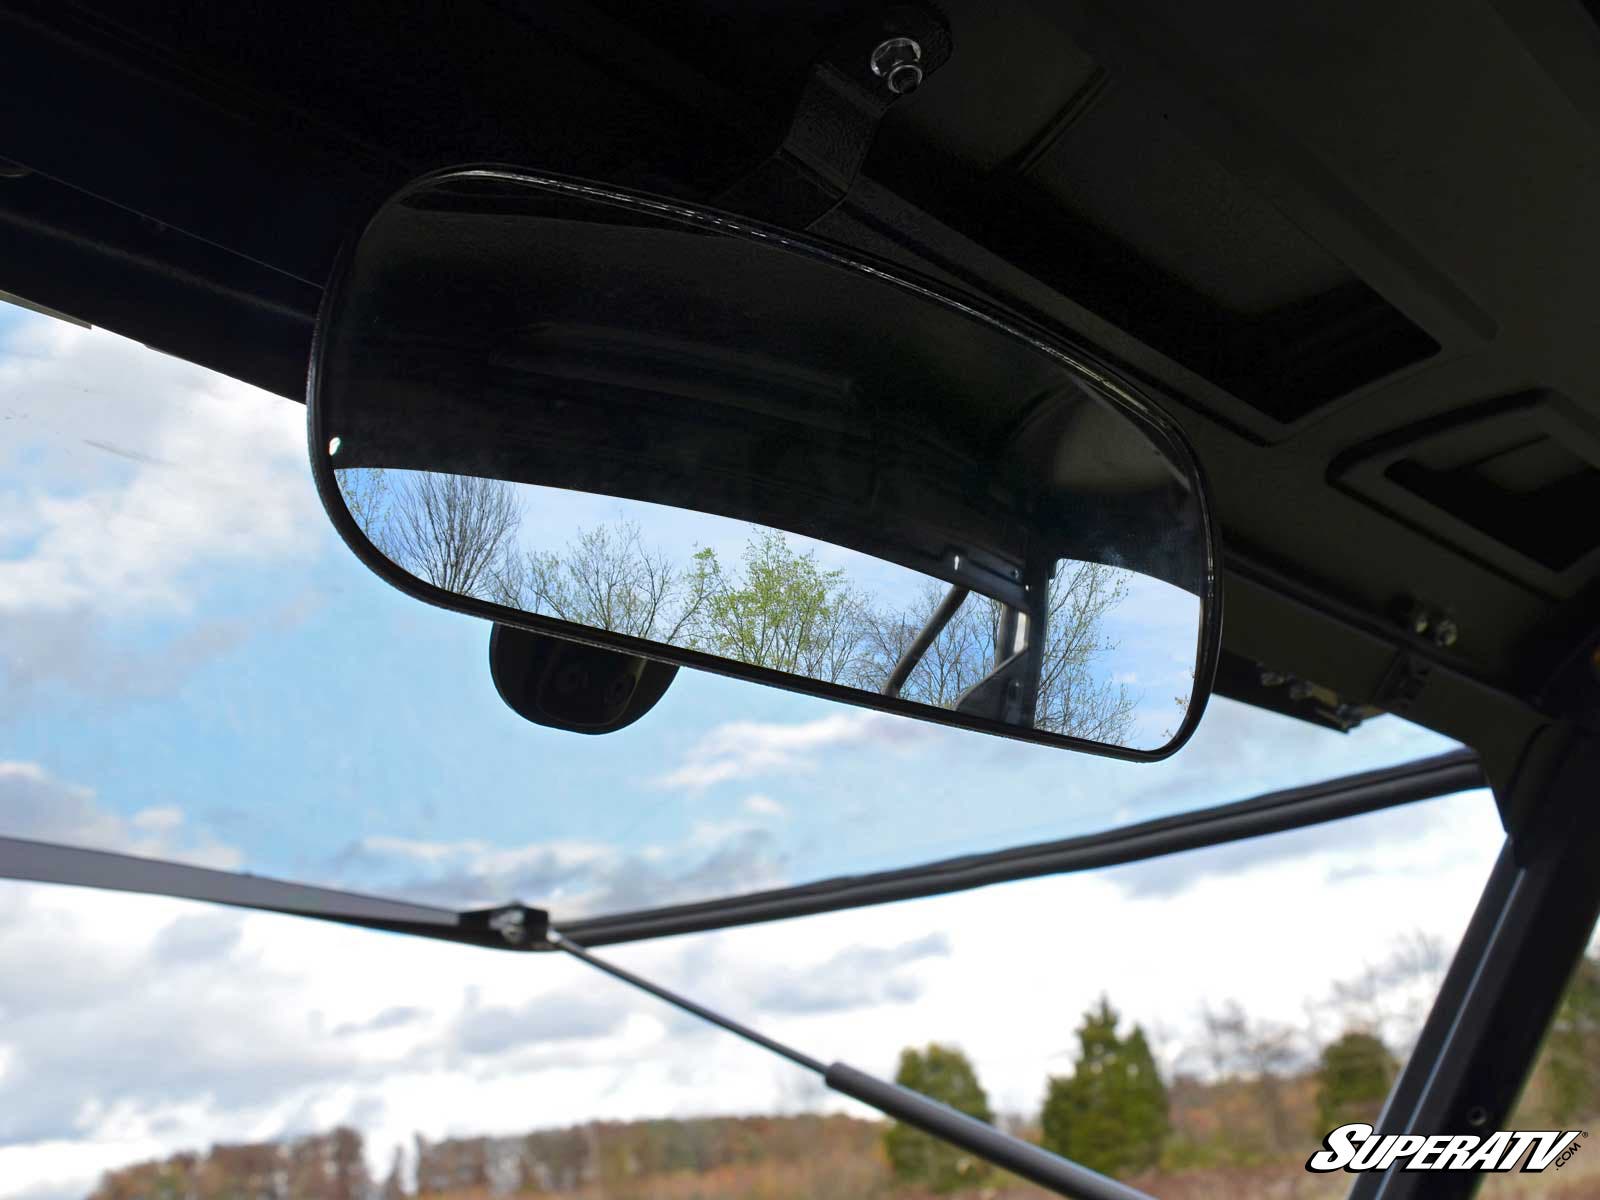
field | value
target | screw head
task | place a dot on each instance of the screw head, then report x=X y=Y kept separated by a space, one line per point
x=898 y=62
x=1445 y=633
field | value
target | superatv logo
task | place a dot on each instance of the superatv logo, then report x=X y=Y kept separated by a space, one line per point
x=1353 y=1148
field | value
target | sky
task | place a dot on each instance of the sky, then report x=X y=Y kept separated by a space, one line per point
x=192 y=666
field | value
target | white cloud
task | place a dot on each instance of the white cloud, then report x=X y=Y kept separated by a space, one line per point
x=749 y=749
x=41 y=807
x=152 y=467
x=571 y=878
x=128 y=478
x=763 y=806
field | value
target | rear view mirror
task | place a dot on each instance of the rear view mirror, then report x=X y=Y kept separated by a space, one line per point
x=623 y=421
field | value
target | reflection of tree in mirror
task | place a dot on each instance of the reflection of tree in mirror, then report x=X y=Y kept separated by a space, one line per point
x=452 y=530
x=1072 y=698
x=608 y=579
x=780 y=610
x=776 y=607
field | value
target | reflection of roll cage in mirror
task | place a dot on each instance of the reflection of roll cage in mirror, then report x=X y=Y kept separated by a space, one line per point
x=1009 y=692
x=588 y=342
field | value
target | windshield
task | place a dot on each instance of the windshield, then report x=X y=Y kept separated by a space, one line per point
x=196 y=669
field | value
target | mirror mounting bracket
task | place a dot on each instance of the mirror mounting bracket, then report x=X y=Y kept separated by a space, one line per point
x=847 y=93
x=572 y=685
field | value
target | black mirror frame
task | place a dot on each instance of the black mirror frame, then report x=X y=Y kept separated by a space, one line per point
x=1081 y=361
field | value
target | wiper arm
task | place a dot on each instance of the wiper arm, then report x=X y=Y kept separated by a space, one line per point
x=519 y=927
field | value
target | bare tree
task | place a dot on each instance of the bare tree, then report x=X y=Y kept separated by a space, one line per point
x=1389 y=999
x=1073 y=697
x=451 y=530
x=1258 y=1055
x=366 y=494
x=959 y=657
x=607 y=578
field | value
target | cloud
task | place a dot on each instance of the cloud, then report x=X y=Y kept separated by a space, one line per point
x=538 y=1023
x=747 y=749
x=763 y=806
x=38 y=806
x=397 y=1017
x=205 y=470
x=571 y=878
x=856 y=977
x=196 y=938
x=1175 y=873
x=131 y=478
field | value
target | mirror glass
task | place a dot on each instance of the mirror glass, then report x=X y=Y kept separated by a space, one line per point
x=642 y=426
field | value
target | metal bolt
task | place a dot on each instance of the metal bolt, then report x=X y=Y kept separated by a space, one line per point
x=510 y=924
x=1477 y=1116
x=1299 y=690
x=1273 y=679
x=898 y=62
x=1445 y=633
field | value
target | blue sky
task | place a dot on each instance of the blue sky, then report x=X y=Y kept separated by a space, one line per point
x=191 y=665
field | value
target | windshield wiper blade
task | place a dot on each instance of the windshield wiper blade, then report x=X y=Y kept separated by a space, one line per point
x=519 y=927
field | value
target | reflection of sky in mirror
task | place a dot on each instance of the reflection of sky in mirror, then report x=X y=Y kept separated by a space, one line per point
x=1151 y=631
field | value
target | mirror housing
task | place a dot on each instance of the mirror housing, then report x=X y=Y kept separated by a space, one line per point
x=499 y=328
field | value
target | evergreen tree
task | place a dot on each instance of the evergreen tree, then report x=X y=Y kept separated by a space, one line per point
x=1110 y=1114
x=945 y=1074
x=1352 y=1080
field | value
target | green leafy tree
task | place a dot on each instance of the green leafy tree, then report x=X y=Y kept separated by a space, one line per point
x=1110 y=1114
x=945 y=1074
x=781 y=610
x=1353 y=1078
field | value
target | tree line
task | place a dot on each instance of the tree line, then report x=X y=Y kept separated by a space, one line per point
x=1268 y=1090
x=775 y=607
x=1251 y=1092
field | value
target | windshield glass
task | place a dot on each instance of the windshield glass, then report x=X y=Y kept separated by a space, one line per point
x=196 y=668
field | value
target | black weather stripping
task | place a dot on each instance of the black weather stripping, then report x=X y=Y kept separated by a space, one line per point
x=1272 y=812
